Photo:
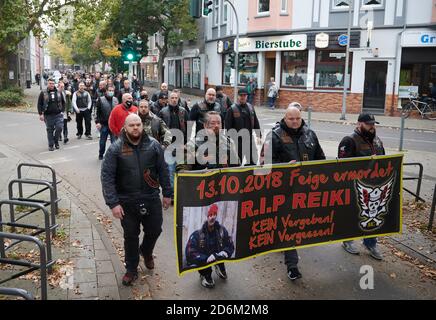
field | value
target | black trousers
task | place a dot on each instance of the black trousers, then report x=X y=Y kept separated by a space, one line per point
x=208 y=271
x=83 y=115
x=131 y=223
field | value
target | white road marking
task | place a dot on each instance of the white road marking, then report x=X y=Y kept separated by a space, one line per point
x=56 y=160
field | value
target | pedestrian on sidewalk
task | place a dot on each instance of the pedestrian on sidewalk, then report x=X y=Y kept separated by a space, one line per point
x=82 y=105
x=68 y=109
x=273 y=94
x=51 y=105
x=104 y=105
x=132 y=171
x=251 y=89
x=120 y=113
x=292 y=141
x=363 y=142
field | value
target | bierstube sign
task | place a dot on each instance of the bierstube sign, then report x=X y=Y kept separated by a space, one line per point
x=277 y=43
x=289 y=206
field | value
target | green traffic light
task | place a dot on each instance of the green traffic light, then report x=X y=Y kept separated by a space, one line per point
x=130 y=56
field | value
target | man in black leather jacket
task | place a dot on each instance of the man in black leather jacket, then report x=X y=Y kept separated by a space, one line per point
x=133 y=170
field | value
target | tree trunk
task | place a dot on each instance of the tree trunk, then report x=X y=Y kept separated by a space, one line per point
x=162 y=56
x=4 y=70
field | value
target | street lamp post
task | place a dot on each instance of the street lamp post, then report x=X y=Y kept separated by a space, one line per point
x=347 y=62
x=236 y=51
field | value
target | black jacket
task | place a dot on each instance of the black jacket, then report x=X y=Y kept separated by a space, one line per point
x=132 y=173
x=357 y=145
x=51 y=102
x=299 y=145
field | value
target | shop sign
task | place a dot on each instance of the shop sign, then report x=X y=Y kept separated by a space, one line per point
x=322 y=40
x=193 y=53
x=405 y=92
x=150 y=59
x=419 y=39
x=284 y=43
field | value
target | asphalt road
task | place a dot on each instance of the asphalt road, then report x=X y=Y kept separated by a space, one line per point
x=328 y=271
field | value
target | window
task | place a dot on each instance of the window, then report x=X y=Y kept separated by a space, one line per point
x=294 y=68
x=216 y=16
x=330 y=68
x=249 y=71
x=196 y=73
x=284 y=6
x=187 y=73
x=341 y=4
x=372 y=3
x=225 y=12
x=263 y=7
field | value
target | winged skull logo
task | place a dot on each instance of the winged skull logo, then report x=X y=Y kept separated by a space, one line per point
x=373 y=202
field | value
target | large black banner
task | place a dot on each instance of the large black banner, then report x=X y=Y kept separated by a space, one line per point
x=236 y=213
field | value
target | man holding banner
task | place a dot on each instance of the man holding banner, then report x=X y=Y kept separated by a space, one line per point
x=292 y=141
x=363 y=142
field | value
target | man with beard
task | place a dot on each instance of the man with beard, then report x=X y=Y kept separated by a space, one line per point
x=163 y=89
x=153 y=125
x=200 y=109
x=209 y=244
x=363 y=142
x=292 y=141
x=133 y=170
x=105 y=104
x=182 y=102
x=161 y=103
x=51 y=105
x=241 y=116
x=120 y=113
x=82 y=104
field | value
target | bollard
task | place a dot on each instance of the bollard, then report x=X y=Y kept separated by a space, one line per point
x=309 y=117
x=433 y=207
x=403 y=121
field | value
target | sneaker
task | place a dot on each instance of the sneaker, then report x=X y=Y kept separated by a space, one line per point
x=57 y=147
x=207 y=282
x=129 y=278
x=149 y=262
x=349 y=247
x=66 y=140
x=88 y=137
x=79 y=136
x=373 y=252
x=51 y=149
x=220 y=270
x=100 y=157
x=294 y=274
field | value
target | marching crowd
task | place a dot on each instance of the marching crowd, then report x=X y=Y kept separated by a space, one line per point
x=135 y=169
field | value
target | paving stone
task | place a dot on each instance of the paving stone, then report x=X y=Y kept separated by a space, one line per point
x=108 y=293
x=106 y=280
x=99 y=245
x=84 y=275
x=104 y=267
x=101 y=255
x=84 y=263
x=85 y=290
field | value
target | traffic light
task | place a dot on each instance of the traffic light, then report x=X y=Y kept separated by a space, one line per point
x=131 y=49
x=241 y=62
x=206 y=8
x=195 y=8
x=232 y=57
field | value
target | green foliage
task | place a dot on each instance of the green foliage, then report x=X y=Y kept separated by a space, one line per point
x=9 y=98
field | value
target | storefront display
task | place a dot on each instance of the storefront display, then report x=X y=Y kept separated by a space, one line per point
x=294 y=68
x=330 y=68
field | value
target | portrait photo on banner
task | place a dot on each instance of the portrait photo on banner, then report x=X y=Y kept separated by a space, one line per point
x=195 y=221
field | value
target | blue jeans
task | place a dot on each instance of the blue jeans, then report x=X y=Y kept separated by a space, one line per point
x=104 y=134
x=370 y=242
x=272 y=101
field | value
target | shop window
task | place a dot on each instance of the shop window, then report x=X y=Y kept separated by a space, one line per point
x=187 y=73
x=196 y=73
x=263 y=7
x=249 y=70
x=330 y=69
x=294 y=68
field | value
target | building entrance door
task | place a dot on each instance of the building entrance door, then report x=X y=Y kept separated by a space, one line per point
x=374 y=96
x=270 y=70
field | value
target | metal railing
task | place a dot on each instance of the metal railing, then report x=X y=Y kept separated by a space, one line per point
x=419 y=178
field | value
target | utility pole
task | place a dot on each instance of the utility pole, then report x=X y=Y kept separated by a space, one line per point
x=236 y=52
x=347 y=62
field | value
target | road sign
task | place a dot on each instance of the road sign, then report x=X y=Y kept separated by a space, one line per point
x=343 y=40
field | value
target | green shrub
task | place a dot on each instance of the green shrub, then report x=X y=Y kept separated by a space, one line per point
x=10 y=99
x=18 y=90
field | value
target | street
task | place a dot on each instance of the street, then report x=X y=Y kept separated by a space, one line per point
x=328 y=271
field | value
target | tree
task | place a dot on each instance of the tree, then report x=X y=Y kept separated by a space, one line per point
x=146 y=17
x=19 y=18
x=59 y=50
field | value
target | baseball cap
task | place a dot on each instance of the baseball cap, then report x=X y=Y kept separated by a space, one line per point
x=242 y=91
x=367 y=118
x=163 y=95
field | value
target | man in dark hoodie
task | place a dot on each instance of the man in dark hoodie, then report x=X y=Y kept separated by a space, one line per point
x=51 y=105
x=292 y=141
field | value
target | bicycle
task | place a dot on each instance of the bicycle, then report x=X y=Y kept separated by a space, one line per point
x=426 y=109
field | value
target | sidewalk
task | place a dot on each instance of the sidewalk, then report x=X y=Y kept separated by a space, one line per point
x=385 y=121
x=87 y=267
